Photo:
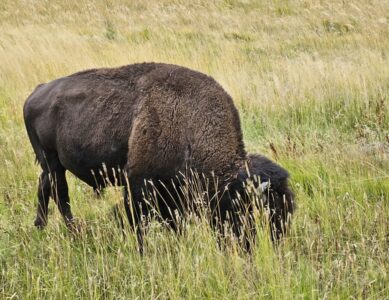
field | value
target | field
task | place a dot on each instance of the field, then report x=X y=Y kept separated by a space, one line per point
x=311 y=82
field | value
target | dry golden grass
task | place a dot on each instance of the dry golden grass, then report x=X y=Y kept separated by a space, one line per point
x=309 y=77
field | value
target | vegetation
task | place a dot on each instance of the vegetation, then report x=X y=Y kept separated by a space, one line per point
x=311 y=81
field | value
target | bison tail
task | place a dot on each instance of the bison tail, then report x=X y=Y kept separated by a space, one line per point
x=36 y=145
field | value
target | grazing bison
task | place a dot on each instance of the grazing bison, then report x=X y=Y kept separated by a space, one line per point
x=147 y=122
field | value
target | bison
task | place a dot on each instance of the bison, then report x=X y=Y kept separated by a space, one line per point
x=142 y=123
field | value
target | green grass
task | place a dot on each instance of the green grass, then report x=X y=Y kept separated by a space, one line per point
x=310 y=78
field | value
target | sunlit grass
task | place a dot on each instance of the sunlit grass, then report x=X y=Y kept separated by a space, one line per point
x=311 y=82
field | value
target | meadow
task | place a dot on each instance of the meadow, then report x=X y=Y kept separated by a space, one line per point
x=311 y=83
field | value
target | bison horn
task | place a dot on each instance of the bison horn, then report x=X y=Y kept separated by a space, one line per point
x=265 y=185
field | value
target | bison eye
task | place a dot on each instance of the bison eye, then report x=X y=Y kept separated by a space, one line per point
x=144 y=131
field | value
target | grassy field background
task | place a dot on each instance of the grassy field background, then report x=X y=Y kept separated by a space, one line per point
x=311 y=82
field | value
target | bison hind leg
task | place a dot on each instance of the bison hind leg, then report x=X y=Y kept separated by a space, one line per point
x=44 y=192
x=52 y=183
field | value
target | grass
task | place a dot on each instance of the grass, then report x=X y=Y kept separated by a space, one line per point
x=311 y=82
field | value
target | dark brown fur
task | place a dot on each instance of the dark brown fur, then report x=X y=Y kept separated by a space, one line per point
x=150 y=120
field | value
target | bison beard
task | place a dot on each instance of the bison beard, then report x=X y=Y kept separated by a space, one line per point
x=149 y=123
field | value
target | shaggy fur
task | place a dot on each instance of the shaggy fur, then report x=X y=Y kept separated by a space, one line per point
x=149 y=120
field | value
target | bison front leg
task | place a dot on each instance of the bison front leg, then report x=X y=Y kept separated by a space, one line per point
x=233 y=219
x=136 y=210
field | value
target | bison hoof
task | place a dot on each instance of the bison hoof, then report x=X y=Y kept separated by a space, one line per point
x=76 y=228
x=39 y=223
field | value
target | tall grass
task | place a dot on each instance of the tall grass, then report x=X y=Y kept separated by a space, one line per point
x=311 y=82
